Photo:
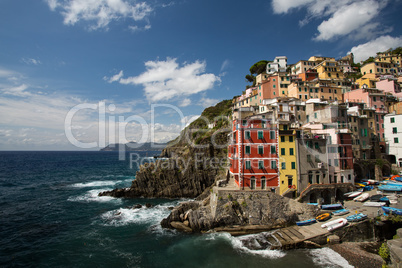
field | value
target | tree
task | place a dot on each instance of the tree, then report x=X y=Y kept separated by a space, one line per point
x=256 y=69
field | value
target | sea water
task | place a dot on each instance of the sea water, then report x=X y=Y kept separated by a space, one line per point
x=51 y=216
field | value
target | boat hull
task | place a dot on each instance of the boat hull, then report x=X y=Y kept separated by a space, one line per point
x=390 y=210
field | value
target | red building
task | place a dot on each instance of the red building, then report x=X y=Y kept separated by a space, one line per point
x=253 y=153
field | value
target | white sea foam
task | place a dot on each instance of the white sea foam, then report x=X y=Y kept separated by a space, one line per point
x=125 y=216
x=240 y=244
x=327 y=257
x=98 y=183
x=92 y=196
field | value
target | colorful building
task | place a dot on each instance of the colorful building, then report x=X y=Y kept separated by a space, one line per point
x=253 y=154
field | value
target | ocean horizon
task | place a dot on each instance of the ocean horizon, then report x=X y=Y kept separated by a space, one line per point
x=52 y=216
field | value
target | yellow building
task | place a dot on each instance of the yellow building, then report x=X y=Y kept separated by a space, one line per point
x=379 y=68
x=288 y=162
x=367 y=79
x=329 y=70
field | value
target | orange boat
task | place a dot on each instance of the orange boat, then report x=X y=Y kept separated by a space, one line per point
x=323 y=217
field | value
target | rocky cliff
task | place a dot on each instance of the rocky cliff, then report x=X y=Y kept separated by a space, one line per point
x=238 y=212
x=191 y=163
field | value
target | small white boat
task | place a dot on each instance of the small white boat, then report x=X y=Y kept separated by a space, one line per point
x=361 y=198
x=354 y=194
x=335 y=224
x=373 y=204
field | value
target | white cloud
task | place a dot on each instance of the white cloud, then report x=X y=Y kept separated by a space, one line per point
x=31 y=61
x=225 y=65
x=99 y=12
x=369 y=49
x=353 y=18
x=185 y=102
x=16 y=90
x=164 y=80
x=283 y=6
x=348 y=19
x=114 y=78
x=206 y=102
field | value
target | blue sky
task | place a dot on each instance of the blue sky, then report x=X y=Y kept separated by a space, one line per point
x=132 y=55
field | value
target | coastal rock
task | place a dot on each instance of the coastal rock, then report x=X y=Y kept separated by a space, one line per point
x=181 y=226
x=240 y=212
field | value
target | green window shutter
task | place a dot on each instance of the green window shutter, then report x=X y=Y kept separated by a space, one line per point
x=248 y=135
x=248 y=150
x=248 y=165
x=260 y=135
x=283 y=151
x=260 y=164
x=273 y=164
x=260 y=150
x=272 y=135
x=293 y=165
x=273 y=149
x=291 y=152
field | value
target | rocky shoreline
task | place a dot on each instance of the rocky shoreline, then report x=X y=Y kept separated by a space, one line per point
x=359 y=254
x=238 y=213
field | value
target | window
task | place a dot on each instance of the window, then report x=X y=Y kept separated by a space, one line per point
x=392 y=119
x=273 y=164
x=234 y=136
x=317 y=178
x=291 y=151
x=272 y=135
x=308 y=158
x=260 y=135
x=317 y=158
x=248 y=135
x=244 y=122
x=248 y=149
x=336 y=162
x=260 y=164
x=396 y=140
x=283 y=151
x=293 y=165
x=273 y=149
x=315 y=115
x=283 y=165
x=260 y=150
x=316 y=145
x=290 y=138
x=248 y=165
x=310 y=178
x=282 y=138
x=394 y=130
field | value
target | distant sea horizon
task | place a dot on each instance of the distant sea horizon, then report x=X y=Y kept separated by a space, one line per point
x=51 y=215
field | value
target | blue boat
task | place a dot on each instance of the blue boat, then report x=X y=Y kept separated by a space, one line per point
x=398 y=179
x=356 y=217
x=306 y=222
x=390 y=188
x=340 y=212
x=312 y=204
x=368 y=188
x=384 y=199
x=390 y=210
x=331 y=207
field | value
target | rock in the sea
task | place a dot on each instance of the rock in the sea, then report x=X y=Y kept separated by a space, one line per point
x=137 y=206
x=180 y=226
x=148 y=205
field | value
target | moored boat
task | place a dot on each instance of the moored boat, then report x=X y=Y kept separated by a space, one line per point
x=374 y=204
x=353 y=194
x=331 y=207
x=306 y=222
x=340 y=212
x=361 y=198
x=390 y=210
x=335 y=224
x=323 y=217
x=356 y=217
x=390 y=188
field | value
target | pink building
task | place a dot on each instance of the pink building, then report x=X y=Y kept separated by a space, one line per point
x=373 y=98
x=390 y=86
